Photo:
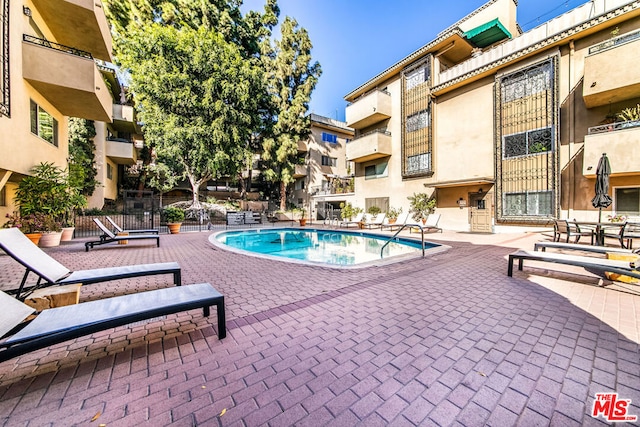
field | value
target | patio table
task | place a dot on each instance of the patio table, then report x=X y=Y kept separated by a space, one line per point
x=598 y=228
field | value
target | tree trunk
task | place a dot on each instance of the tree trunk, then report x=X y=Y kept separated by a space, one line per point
x=195 y=188
x=243 y=187
x=283 y=196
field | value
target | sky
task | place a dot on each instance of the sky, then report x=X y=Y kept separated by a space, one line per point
x=355 y=40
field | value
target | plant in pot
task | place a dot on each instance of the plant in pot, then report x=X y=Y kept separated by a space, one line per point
x=421 y=205
x=46 y=192
x=31 y=225
x=301 y=213
x=348 y=211
x=393 y=214
x=174 y=217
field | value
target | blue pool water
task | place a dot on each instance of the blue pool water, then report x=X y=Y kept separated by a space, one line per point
x=337 y=248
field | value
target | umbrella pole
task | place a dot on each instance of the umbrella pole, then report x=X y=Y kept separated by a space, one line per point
x=599 y=214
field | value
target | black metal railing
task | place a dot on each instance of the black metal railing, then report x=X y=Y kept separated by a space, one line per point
x=610 y=44
x=85 y=227
x=56 y=46
x=371 y=132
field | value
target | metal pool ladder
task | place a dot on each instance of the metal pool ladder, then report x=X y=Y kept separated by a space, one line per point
x=398 y=232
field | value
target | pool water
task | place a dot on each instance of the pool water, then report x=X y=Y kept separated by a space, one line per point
x=331 y=247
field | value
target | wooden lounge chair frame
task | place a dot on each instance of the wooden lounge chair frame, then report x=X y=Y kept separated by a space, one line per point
x=51 y=272
x=109 y=237
x=619 y=267
x=60 y=324
x=120 y=230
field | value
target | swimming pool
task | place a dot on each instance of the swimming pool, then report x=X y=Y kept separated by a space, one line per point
x=329 y=247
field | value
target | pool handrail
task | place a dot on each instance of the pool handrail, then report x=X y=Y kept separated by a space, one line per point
x=402 y=228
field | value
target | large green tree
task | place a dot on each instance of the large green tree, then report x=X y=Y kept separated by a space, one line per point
x=291 y=78
x=197 y=78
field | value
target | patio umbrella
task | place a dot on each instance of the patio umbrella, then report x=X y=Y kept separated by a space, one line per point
x=602 y=199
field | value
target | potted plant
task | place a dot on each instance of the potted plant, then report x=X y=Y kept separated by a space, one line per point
x=421 y=205
x=301 y=213
x=46 y=192
x=348 y=211
x=31 y=225
x=393 y=214
x=374 y=210
x=174 y=217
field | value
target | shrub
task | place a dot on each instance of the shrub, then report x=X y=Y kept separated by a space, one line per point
x=173 y=214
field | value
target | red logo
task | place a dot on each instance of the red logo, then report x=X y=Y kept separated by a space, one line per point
x=611 y=408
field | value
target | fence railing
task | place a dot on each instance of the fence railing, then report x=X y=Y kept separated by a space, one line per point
x=85 y=227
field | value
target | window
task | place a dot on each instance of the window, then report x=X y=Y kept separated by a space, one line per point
x=376 y=171
x=329 y=137
x=417 y=121
x=3 y=196
x=329 y=161
x=419 y=162
x=417 y=76
x=380 y=202
x=43 y=124
x=529 y=142
x=109 y=171
x=627 y=201
x=538 y=203
x=4 y=57
x=299 y=184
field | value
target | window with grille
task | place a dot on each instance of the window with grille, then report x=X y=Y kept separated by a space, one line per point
x=416 y=120
x=526 y=136
x=4 y=57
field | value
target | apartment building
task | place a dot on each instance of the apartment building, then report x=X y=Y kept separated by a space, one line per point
x=48 y=73
x=324 y=179
x=504 y=127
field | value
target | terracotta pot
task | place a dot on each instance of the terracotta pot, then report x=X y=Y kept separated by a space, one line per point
x=67 y=234
x=34 y=237
x=303 y=222
x=392 y=220
x=50 y=239
x=174 y=227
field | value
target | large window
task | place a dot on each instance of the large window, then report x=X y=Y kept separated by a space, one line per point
x=329 y=137
x=3 y=196
x=376 y=171
x=527 y=169
x=416 y=116
x=537 y=203
x=43 y=124
x=627 y=201
x=4 y=57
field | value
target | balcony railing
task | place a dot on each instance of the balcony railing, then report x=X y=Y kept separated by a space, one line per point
x=609 y=44
x=56 y=46
x=610 y=127
x=371 y=132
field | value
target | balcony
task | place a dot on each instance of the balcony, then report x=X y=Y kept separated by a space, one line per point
x=370 y=146
x=300 y=171
x=67 y=77
x=79 y=23
x=611 y=72
x=369 y=109
x=619 y=141
x=121 y=151
x=124 y=119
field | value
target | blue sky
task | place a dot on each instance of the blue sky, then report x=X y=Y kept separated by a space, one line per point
x=354 y=40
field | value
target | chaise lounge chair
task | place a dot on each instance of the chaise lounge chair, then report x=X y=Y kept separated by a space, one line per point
x=431 y=224
x=580 y=247
x=624 y=268
x=118 y=229
x=402 y=220
x=376 y=221
x=51 y=272
x=109 y=237
x=59 y=324
x=356 y=220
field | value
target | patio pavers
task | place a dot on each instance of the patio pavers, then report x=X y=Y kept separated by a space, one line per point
x=445 y=340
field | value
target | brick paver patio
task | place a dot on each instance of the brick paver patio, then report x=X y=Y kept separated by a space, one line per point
x=445 y=340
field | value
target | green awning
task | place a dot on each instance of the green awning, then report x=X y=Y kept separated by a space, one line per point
x=487 y=34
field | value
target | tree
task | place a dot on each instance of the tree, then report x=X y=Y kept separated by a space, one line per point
x=82 y=165
x=160 y=177
x=291 y=77
x=197 y=78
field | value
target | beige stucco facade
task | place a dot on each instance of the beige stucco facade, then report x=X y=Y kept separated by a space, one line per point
x=508 y=124
x=51 y=70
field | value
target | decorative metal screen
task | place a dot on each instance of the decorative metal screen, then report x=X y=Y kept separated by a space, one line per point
x=416 y=119
x=527 y=144
x=4 y=57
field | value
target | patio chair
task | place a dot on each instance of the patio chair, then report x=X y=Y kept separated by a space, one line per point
x=376 y=221
x=109 y=237
x=59 y=324
x=402 y=220
x=431 y=224
x=626 y=234
x=600 y=265
x=51 y=272
x=118 y=229
x=356 y=220
x=571 y=229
